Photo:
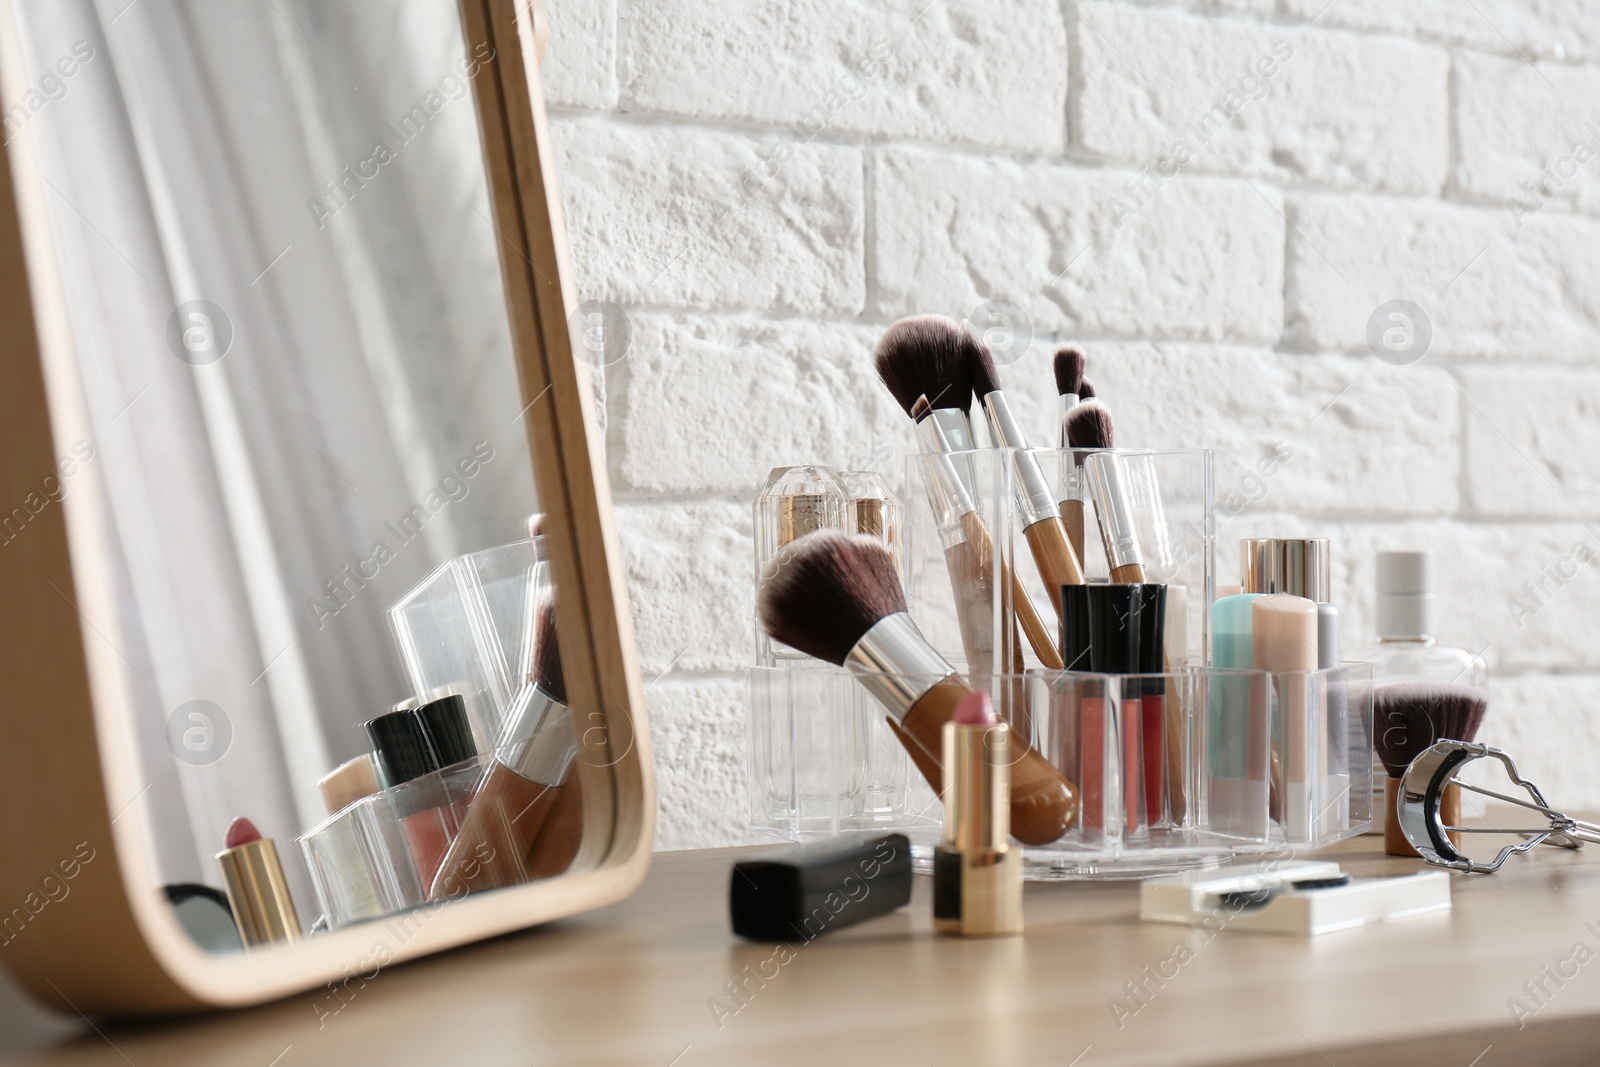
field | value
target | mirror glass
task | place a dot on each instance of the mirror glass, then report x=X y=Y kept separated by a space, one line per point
x=308 y=457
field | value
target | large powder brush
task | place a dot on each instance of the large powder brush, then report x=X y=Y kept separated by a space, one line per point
x=838 y=597
x=1407 y=719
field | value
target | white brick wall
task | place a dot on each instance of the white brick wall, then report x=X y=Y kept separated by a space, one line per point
x=765 y=184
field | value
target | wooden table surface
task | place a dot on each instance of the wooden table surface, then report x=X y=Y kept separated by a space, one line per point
x=635 y=984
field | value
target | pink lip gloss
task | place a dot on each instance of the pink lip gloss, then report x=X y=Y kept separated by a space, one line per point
x=426 y=818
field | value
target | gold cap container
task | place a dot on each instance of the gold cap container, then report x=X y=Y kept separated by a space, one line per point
x=258 y=893
x=1299 y=566
x=977 y=875
x=874 y=509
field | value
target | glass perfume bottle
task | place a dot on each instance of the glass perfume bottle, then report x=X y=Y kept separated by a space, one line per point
x=794 y=502
x=875 y=510
x=1407 y=649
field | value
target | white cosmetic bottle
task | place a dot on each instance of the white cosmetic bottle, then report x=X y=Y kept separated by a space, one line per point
x=1407 y=650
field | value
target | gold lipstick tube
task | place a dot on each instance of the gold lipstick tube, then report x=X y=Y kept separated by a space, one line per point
x=977 y=875
x=258 y=893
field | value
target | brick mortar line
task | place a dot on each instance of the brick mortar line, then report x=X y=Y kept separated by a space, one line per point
x=1086 y=163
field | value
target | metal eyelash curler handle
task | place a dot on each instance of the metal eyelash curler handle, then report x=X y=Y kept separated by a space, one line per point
x=1422 y=791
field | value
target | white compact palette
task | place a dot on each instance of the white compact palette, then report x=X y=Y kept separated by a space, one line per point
x=1289 y=898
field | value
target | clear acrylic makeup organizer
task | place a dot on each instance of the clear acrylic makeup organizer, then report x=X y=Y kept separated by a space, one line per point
x=821 y=760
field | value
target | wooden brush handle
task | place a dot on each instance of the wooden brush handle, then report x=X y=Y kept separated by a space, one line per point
x=562 y=834
x=1058 y=564
x=1394 y=839
x=1072 y=519
x=1033 y=627
x=1044 y=805
x=1129 y=574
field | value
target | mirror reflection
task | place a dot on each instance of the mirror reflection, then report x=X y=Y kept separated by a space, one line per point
x=308 y=456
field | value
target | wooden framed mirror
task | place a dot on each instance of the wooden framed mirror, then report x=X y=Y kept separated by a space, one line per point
x=289 y=363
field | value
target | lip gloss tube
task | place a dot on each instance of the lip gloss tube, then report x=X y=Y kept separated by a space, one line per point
x=400 y=746
x=1153 y=706
x=1115 y=619
x=1083 y=733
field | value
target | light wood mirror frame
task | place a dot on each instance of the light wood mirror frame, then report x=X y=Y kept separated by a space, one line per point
x=64 y=767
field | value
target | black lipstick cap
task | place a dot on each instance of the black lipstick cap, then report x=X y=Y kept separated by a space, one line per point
x=814 y=889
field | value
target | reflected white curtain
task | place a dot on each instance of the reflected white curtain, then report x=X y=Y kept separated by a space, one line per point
x=201 y=154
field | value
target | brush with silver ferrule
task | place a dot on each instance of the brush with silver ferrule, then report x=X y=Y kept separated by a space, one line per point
x=1070 y=384
x=915 y=358
x=838 y=597
x=508 y=819
x=1068 y=364
x=1036 y=502
x=1089 y=427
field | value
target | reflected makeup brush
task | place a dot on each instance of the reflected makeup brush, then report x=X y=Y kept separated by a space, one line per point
x=1036 y=502
x=838 y=597
x=1089 y=426
x=513 y=801
x=969 y=557
x=1069 y=364
x=1409 y=717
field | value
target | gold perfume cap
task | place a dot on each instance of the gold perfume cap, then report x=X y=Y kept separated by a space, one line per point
x=798 y=515
x=869 y=516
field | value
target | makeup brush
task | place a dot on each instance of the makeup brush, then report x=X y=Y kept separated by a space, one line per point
x=920 y=356
x=1407 y=718
x=838 y=597
x=1068 y=365
x=969 y=558
x=1041 y=517
x=1089 y=426
x=508 y=817
x=1071 y=385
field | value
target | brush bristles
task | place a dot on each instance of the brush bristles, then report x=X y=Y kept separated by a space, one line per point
x=824 y=590
x=985 y=377
x=1069 y=372
x=926 y=355
x=1086 y=390
x=1089 y=426
x=1409 y=717
x=921 y=409
x=547 y=674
